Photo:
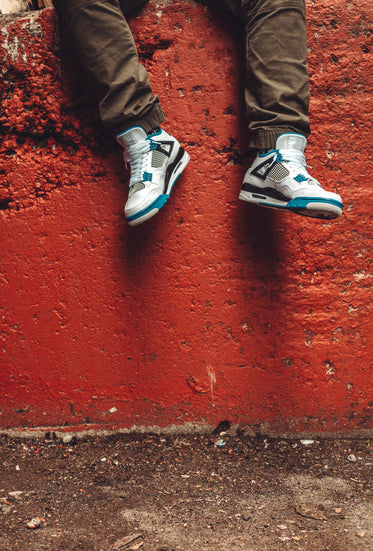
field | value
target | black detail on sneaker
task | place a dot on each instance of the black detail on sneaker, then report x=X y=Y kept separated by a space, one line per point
x=172 y=167
x=266 y=192
x=166 y=151
x=269 y=163
x=262 y=197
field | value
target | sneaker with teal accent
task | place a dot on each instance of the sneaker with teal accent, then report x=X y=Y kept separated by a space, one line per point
x=279 y=179
x=156 y=162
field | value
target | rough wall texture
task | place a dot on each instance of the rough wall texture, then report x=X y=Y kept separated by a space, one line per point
x=213 y=309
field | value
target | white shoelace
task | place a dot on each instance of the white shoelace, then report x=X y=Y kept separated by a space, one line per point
x=135 y=156
x=298 y=158
x=292 y=156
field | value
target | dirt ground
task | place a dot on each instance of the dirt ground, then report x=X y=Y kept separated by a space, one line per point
x=194 y=492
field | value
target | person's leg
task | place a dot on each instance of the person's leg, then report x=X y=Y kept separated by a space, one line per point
x=102 y=41
x=277 y=101
x=277 y=83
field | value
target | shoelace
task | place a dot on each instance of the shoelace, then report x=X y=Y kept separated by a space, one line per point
x=291 y=155
x=298 y=158
x=135 y=156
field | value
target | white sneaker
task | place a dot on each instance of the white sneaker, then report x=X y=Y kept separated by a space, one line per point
x=279 y=179
x=156 y=162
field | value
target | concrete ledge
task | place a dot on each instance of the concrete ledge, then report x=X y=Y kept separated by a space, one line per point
x=243 y=431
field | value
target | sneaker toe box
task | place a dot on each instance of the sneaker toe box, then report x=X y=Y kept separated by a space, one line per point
x=140 y=200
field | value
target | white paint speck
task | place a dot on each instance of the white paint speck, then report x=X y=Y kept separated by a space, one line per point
x=212 y=378
x=361 y=275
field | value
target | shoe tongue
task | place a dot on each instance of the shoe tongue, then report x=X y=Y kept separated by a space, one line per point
x=131 y=136
x=291 y=141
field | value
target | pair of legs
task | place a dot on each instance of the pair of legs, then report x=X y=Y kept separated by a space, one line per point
x=276 y=97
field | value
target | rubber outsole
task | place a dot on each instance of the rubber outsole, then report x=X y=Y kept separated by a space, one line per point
x=313 y=207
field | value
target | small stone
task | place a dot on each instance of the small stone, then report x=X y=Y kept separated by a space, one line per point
x=16 y=495
x=223 y=426
x=18 y=468
x=69 y=439
x=34 y=523
x=307 y=442
x=338 y=510
x=361 y=534
x=352 y=458
x=5 y=506
x=113 y=410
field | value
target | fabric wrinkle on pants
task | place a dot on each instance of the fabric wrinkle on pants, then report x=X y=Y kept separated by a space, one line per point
x=104 y=45
x=276 y=85
x=276 y=81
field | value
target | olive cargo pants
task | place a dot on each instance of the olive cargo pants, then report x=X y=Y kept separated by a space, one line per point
x=277 y=84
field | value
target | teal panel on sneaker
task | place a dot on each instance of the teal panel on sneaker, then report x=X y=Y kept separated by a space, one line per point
x=303 y=202
x=155 y=205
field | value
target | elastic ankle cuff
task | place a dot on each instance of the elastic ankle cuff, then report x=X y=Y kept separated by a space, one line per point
x=148 y=122
x=266 y=138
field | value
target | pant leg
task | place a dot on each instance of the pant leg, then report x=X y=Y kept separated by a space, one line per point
x=277 y=82
x=227 y=6
x=102 y=41
x=128 y=6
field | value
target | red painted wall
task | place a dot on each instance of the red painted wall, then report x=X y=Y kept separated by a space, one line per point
x=213 y=309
